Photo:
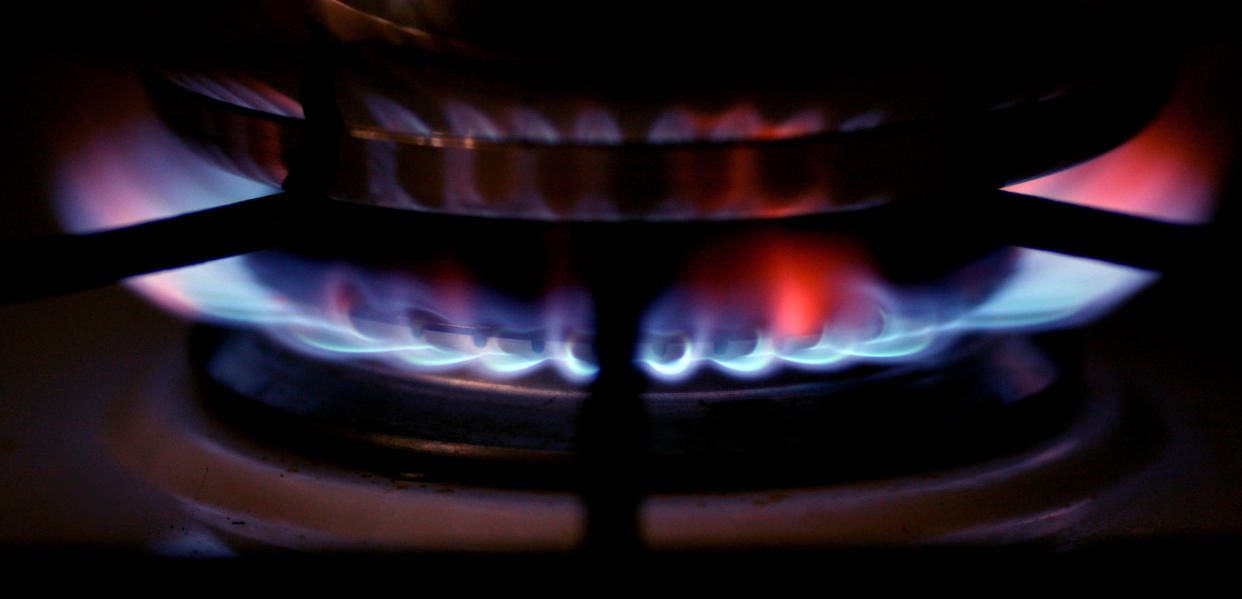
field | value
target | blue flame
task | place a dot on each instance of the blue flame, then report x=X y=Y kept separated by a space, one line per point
x=139 y=172
x=1046 y=291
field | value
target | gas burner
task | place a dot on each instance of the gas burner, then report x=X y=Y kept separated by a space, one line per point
x=982 y=397
x=257 y=486
x=672 y=301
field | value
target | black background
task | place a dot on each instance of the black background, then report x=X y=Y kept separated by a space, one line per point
x=71 y=68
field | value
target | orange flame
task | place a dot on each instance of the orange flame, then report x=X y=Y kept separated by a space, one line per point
x=790 y=285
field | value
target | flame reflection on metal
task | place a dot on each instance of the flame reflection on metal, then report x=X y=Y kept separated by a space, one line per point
x=594 y=125
x=239 y=90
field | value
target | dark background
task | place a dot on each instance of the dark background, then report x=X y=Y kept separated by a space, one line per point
x=74 y=68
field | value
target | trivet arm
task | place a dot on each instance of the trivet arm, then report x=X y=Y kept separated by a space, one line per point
x=47 y=266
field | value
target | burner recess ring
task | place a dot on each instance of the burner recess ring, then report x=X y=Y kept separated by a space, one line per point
x=986 y=396
x=250 y=490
